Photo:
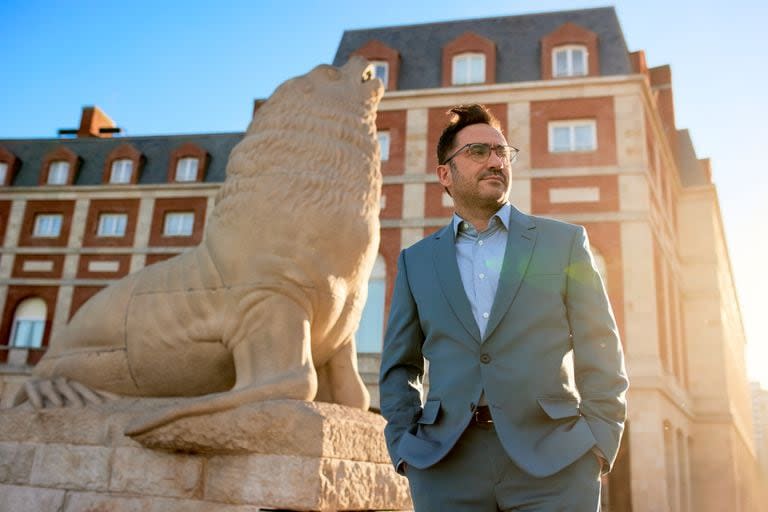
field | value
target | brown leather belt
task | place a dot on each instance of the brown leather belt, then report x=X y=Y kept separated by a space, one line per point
x=482 y=415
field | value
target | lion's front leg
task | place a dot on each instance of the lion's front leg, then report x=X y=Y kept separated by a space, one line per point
x=272 y=352
x=339 y=381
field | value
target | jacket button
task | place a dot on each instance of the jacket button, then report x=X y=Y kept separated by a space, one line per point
x=485 y=358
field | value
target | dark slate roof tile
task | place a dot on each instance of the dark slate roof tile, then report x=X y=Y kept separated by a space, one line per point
x=93 y=153
x=517 y=38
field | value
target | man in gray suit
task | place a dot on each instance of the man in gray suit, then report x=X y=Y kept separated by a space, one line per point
x=527 y=384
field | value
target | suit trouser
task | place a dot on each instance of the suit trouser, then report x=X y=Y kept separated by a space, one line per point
x=477 y=475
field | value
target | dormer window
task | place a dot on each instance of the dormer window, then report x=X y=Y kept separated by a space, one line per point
x=468 y=68
x=3 y=172
x=569 y=60
x=121 y=171
x=58 y=173
x=381 y=71
x=186 y=169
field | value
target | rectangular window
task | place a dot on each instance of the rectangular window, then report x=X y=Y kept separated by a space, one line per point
x=58 y=173
x=381 y=71
x=569 y=61
x=121 y=171
x=112 y=224
x=28 y=333
x=383 y=145
x=186 y=169
x=468 y=68
x=572 y=136
x=47 y=225
x=178 y=224
x=3 y=172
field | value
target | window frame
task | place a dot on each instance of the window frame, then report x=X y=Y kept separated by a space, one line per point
x=38 y=223
x=569 y=50
x=571 y=124
x=122 y=163
x=55 y=168
x=468 y=56
x=186 y=179
x=113 y=233
x=4 y=168
x=385 y=66
x=178 y=232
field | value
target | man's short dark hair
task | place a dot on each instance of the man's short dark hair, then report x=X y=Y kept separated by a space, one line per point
x=461 y=117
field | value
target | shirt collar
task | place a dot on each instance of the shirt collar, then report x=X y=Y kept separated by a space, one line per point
x=502 y=214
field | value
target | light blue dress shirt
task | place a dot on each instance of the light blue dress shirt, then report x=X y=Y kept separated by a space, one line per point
x=480 y=256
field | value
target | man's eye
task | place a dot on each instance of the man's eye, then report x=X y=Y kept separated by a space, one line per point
x=479 y=149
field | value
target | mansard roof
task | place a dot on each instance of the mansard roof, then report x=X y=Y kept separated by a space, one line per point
x=517 y=39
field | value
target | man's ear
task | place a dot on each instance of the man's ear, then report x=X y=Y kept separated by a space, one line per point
x=444 y=175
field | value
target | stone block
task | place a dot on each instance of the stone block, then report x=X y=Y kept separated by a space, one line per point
x=29 y=499
x=275 y=481
x=16 y=462
x=71 y=467
x=94 y=502
x=153 y=473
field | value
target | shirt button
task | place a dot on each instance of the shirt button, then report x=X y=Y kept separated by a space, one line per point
x=480 y=242
x=481 y=276
x=485 y=358
x=485 y=315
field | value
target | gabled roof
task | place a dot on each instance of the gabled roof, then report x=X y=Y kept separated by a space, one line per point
x=93 y=153
x=518 y=54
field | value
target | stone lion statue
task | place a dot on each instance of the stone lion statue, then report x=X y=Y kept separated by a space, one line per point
x=266 y=307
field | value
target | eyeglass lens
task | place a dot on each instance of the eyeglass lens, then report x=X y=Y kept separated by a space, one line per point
x=480 y=152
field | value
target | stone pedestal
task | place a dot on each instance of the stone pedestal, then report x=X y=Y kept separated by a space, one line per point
x=282 y=454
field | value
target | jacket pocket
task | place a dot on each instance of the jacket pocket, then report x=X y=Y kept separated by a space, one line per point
x=559 y=408
x=429 y=412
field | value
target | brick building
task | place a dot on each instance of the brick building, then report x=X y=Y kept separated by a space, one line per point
x=600 y=147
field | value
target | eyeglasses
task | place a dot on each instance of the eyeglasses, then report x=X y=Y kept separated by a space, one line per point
x=480 y=152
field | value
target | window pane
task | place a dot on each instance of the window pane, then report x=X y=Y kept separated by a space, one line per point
x=36 y=337
x=584 y=137
x=460 y=70
x=3 y=172
x=58 y=173
x=112 y=224
x=477 y=74
x=22 y=333
x=179 y=224
x=369 y=335
x=186 y=169
x=561 y=138
x=561 y=63
x=578 y=61
x=121 y=171
x=381 y=71
x=384 y=145
x=47 y=225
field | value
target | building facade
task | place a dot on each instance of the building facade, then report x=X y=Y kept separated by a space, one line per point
x=599 y=147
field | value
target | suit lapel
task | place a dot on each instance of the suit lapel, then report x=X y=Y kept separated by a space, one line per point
x=450 y=280
x=520 y=242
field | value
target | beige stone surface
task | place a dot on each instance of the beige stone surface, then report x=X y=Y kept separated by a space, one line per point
x=16 y=462
x=154 y=473
x=29 y=499
x=268 y=304
x=279 y=454
x=71 y=467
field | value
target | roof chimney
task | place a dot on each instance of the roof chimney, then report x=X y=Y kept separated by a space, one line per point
x=93 y=123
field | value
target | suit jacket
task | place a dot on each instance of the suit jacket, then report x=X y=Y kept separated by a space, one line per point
x=551 y=362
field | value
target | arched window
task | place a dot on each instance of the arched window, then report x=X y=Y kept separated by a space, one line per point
x=29 y=324
x=370 y=333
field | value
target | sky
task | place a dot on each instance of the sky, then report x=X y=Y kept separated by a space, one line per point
x=169 y=67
